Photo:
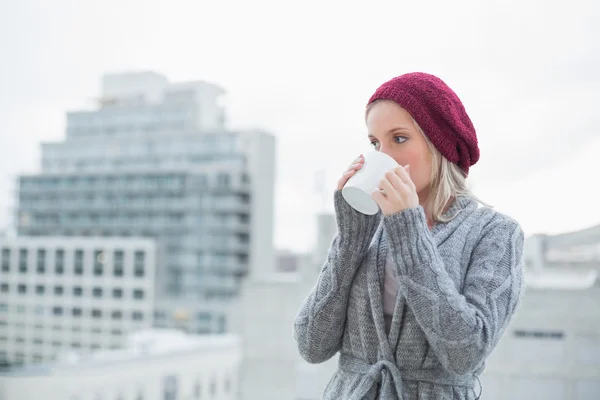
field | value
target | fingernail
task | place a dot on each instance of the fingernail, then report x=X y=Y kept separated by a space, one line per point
x=407 y=167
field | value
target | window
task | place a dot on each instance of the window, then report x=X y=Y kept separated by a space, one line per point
x=117 y=315
x=59 y=260
x=41 y=261
x=58 y=290
x=116 y=332
x=213 y=387
x=99 y=258
x=77 y=291
x=118 y=263
x=97 y=292
x=76 y=312
x=137 y=316
x=23 y=261
x=117 y=293
x=223 y=179
x=197 y=390
x=4 y=288
x=170 y=387
x=96 y=313
x=57 y=310
x=139 y=264
x=22 y=289
x=5 y=260
x=39 y=289
x=138 y=294
x=79 y=262
x=227 y=385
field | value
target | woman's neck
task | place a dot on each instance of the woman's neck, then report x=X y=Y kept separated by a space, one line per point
x=424 y=202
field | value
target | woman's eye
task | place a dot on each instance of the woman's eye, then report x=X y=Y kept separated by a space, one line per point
x=375 y=144
x=399 y=139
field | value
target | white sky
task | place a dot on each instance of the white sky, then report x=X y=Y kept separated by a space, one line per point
x=527 y=71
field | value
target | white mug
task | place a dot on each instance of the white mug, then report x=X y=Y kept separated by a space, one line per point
x=359 y=188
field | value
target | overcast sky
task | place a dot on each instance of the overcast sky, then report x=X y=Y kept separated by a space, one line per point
x=527 y=71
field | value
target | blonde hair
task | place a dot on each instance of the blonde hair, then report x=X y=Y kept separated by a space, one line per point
x=448 y=180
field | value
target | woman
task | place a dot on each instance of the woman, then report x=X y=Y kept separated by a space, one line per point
x=416 y=297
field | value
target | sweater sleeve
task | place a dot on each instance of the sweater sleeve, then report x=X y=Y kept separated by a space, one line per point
x=462 y=328
x=320 y=322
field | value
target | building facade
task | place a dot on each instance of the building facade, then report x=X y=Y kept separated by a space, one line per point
x=271 y=366
x=152 y=365
x=156 y=160
x=551 y=350
x=72 y=293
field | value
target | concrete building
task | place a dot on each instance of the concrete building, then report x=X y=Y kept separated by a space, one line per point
x=551 y=350
x=59 y=293
x=271 y=366
x=155 y=159
x=153 y=365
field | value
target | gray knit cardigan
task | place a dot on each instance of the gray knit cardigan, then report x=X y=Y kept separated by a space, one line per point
x=460 y=283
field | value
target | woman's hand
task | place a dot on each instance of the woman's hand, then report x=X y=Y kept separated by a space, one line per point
x=355 y=166
x=396 y=192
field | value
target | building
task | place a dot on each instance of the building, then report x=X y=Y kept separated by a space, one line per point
x=551 y=350
x=153 y=365
x=82 y=293
x=156 y=160
x=272 y=367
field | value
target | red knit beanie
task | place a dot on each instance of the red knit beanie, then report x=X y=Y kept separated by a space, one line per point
x=438 y=111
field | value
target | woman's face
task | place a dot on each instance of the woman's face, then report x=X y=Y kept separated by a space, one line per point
x=392 y=131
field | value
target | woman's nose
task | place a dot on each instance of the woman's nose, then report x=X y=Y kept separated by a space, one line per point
x=385 y=150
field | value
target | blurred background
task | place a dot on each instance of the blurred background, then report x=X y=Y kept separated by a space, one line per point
x=167 y=173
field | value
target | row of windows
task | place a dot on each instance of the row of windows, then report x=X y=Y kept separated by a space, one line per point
x=104 y=182
x=554 y=335
x=77 y=291
x=38 y=341
x=96 y=330
x=92 y=163
x=112 y=216
x=171 y=391
x=75 y=312
x=99 y=267
x=159 y=183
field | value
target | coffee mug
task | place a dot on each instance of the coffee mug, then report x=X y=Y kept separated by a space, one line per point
x=359 y=188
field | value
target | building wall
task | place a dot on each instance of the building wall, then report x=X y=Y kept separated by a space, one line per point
x=551 y=350
x=195 y=372
x=62 y=293
x=272 y=367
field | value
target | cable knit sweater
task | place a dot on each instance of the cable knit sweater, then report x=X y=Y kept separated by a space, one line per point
x=459 y=285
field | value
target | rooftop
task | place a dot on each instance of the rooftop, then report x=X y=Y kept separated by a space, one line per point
x=142 y=345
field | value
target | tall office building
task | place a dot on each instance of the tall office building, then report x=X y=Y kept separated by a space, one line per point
x=156 y=160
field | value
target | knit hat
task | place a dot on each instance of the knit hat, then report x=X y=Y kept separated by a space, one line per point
x=438 y=111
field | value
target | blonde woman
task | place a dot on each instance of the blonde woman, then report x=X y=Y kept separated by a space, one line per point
x=416 y=297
